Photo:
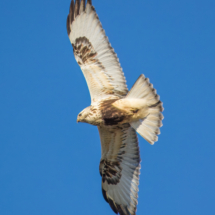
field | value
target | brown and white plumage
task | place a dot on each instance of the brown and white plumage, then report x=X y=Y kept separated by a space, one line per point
x=117 y=112
x=120 y=167
x=94 y=54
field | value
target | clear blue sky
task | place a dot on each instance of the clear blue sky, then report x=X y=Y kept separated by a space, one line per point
x=49 y=164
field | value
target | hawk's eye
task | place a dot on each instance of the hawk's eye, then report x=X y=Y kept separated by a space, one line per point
x=79 y=114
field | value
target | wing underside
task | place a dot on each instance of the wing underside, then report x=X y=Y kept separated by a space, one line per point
x=120 y=168
x=94 y=54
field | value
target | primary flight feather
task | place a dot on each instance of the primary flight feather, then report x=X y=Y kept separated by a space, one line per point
x=117 y=113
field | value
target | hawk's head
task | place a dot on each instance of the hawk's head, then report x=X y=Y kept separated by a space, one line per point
x=84 y=115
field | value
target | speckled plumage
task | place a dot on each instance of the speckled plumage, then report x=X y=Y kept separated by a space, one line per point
x=117 y=113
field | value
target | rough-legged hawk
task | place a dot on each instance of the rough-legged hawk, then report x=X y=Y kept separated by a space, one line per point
x=117 y=113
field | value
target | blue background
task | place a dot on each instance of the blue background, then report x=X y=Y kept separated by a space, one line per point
x=49 y=164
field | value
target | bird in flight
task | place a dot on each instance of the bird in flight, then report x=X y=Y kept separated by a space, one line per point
x=117 y=112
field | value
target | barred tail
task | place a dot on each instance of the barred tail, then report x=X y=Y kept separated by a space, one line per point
x=147 y=127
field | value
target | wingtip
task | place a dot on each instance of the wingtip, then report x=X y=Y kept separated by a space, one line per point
x=113 y=205
x=68 y=25
x=82 y=6
x=71 y=11
x=89 y=2
x=104 y=193
x=77 y=7
x=72 y=6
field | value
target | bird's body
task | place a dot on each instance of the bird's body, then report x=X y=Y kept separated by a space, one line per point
x=117 y=112
x=114 y=112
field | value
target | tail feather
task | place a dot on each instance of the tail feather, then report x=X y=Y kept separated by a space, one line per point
x=147 y=127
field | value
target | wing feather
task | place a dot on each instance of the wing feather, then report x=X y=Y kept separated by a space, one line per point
x=94 y=54
x=82 y=6
x=120 y=168
x=77 y=7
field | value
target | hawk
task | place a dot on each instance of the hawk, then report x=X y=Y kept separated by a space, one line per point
x=117 y=112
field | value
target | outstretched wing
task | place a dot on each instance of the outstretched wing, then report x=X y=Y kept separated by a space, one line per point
x=94 y=54
x=120 y=168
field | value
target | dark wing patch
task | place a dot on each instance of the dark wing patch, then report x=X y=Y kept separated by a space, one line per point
x=110 y=171
x=84 y=52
